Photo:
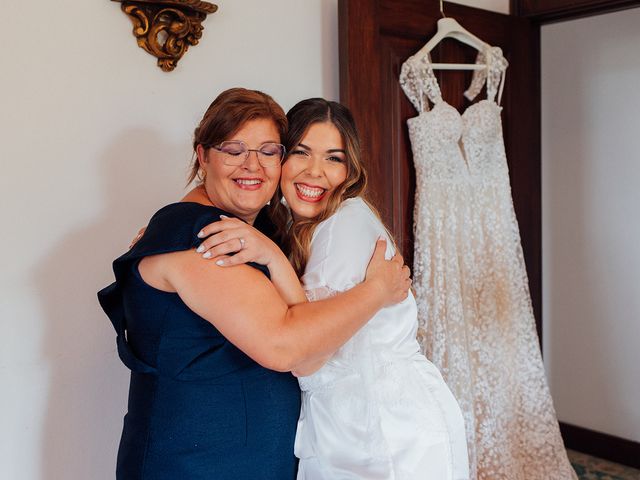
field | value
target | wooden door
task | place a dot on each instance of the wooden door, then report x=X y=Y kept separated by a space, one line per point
x=376 y=37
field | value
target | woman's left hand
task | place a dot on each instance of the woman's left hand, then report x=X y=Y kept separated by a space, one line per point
x=232 y=235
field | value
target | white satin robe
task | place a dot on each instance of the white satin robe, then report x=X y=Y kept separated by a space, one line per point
x=378 y=409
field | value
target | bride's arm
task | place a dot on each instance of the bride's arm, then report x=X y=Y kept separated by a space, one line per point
x=339 y=258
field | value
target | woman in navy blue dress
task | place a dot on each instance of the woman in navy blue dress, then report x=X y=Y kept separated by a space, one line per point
x=210 y=348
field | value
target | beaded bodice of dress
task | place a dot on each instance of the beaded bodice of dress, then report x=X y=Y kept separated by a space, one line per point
x=449 y=145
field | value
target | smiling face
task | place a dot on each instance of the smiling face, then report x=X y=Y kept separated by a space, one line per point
x=242 y=190
x=313 y=170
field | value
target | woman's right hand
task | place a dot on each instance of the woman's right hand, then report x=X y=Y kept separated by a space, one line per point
x=391 y=276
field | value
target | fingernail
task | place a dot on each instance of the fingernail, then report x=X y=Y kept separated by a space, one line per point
x=200 y=249
x=201 y=234
x=224 y=216
x=206 y=255
x=220 y=262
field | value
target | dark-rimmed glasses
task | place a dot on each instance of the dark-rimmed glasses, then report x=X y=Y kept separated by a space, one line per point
x=236 y=152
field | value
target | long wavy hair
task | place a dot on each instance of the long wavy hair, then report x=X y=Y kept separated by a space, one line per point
x=295 y=235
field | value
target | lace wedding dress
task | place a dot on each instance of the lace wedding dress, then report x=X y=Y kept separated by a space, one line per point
x=474 y=307
x=378 y=409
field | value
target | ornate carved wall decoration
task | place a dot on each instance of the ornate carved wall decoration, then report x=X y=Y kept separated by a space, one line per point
x=166 y=28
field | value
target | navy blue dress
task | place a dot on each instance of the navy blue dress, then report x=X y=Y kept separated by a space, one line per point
x=199 y=408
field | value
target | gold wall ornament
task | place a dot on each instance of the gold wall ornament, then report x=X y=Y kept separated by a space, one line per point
x=166 y=28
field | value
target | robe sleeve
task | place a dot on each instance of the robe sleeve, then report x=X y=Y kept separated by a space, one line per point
x=341 y=249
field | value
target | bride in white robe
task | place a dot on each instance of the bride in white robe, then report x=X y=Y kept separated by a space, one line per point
x=378 y=409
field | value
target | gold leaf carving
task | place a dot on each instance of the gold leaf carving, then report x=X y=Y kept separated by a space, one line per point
x=167 y=28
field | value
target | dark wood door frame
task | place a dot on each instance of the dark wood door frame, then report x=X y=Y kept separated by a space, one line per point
x=542 y=12
x=547 y=11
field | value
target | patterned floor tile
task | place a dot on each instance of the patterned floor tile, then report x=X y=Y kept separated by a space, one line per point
x=592 y=468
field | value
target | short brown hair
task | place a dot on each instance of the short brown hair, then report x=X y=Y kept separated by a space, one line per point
x=228 y=113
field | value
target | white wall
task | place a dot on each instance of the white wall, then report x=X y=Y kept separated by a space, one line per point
x=93 y=139
x=591 y=227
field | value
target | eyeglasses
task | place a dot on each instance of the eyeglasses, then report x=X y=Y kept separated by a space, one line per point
x=236 y=152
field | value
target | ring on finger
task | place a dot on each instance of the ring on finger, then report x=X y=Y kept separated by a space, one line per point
x=242 y=242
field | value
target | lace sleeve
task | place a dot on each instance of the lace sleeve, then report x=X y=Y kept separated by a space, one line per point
x=319 y=293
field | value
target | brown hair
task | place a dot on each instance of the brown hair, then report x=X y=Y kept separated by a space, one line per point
x=297 y=239
x=228 y=113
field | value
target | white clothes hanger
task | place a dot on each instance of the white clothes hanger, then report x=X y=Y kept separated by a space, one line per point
x=450 y=28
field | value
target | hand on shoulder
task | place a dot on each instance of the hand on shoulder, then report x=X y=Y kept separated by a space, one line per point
x=392 y=278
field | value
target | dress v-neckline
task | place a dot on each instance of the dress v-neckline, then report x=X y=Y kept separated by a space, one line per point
x=438 y=101
x=431 y=77
x=421 y=86
x=420 y=83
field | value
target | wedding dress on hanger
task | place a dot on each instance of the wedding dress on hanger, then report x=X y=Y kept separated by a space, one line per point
x=476 y=319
